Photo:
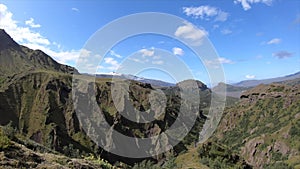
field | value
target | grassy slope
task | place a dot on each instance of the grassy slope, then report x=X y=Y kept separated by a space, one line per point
x=190 y=159
x=259 y=127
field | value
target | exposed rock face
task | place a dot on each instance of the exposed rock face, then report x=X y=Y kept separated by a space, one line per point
x=254 y=157
x=263 y=126
x=280 y=146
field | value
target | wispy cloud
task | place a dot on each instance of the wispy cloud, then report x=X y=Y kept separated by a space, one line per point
x=25 y=35
x=191 y=33
x=216 y=62
x=282 y=54
x=274 y=41
x=113 y=53
x=226 y=31
x=75 y=9
x=206 y=12
x=31 y=23
x=259 y=34
x=250 y=76
x=158 y=62
x=297 y=20
x=147 y=52
x=246 y=4
x=178 y=51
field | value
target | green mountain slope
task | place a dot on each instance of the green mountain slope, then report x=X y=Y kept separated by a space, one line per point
x=17 y=60
x=264 y=127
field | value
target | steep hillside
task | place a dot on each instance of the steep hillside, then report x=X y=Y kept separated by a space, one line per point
x=19 y=152
x=36 y=97
x=264 y=126
x=17 y=60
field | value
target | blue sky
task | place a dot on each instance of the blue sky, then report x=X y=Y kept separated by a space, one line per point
x=254 y=39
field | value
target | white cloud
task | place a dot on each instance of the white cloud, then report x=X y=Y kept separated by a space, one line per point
x=222 y=16
x=246 y=4
x=274 y=41
x=113 y=53
x=190 y=33
x=139 y=60
x=75 y=9
x=206 y=12
x=178 y=51
x=34 y=40
x=250 y=76
x=158 y=62
x=112 y=62
x=224 y=60
x=226 y=31
x=19 y=34
x=147 y=52
x=31 y=23
x=216 y=62
x=156 y=57
x=148 y=55
x=61 y=56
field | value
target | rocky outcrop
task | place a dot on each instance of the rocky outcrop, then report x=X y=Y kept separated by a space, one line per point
x=264 y=125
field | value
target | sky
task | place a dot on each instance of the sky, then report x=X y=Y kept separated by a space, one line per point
x=251 y=39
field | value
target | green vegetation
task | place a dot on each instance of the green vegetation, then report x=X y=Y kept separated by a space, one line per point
x=219 y=156
x=4 y=141
x=146 y=164
x=103 y=163
x=9 y=131
x=266 y=122
x=278 y=165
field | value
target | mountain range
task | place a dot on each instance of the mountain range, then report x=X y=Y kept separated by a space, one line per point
x=252 y=83
x=235 y=90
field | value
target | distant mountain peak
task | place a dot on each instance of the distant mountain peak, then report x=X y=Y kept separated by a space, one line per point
x=191 y=82
x=6 y=41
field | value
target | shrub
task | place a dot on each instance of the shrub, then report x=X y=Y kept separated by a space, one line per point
x=103 y=163
x=9 y=131
x=70 y=151
x=145 y=164
x=4 y=141
x=170 y=163
x=278 y=165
